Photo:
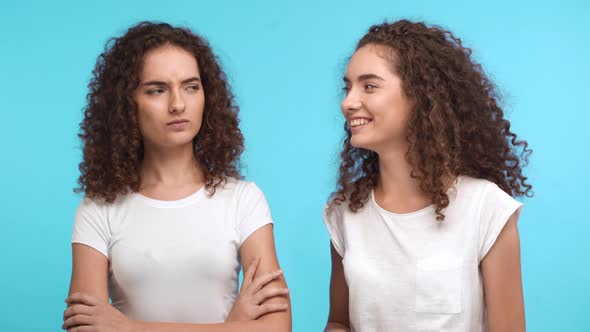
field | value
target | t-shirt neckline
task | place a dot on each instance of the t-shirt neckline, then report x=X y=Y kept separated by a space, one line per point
x=428 y=209
x=191 y=199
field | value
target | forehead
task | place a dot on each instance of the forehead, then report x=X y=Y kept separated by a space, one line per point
x=370 y=59
x=169 y=60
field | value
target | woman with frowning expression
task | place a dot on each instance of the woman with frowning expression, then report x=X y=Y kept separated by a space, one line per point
x=166 y=222
x=423 y=225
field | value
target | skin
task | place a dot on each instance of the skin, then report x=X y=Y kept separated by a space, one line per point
x=170 y=89
x=338 y=317
x=375 y=92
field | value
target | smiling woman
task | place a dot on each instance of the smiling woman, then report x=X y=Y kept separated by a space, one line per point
x=167 y=222
x=422 y=224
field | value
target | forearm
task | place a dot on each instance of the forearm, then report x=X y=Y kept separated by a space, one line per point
x=336 y=327
x=245 y=326
x=513 y=327
x=507 y=321
x=272 y=322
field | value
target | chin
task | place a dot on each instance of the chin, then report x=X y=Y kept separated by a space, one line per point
x=181 y=141
x=361 y=142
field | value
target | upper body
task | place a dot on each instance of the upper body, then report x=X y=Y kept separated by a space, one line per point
x=423 y=223
x=410 y=272
x=174 y=261
x=166 y=224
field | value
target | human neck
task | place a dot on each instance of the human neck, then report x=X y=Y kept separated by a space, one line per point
x=170 y=172
x=396 y=190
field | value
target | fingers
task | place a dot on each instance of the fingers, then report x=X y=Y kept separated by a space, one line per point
x=264 y=279
x=77 y=309
x=250 y=271
x=271 y=307
x=267 y=293
x=77 y=321
x=77 y=317
x=82 y=329
x=82 y=298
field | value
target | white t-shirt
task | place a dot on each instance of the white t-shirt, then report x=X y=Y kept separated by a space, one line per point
x=174 y=261
x=410 y=272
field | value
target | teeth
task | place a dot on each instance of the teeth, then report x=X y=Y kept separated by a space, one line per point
x=358 y=122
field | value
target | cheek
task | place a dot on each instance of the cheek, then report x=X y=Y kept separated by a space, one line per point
x=382 y=111
x=197 y=105
x=147 y=116
x=403 y=114
x=391 y=115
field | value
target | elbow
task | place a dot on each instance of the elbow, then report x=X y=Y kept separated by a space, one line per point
x=280 y=323
x=275 y=327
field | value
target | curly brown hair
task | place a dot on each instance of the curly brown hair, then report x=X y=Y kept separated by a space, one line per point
x=112 y=143
x=456 y=126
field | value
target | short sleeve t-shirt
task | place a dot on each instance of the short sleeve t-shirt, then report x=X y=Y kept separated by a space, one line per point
x=174 y=261
x=410 y=272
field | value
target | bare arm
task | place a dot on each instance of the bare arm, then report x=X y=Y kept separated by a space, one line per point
x=503 y=283
x=338 y=318
x=89 y=288
x=89 y=272
x=259 y=245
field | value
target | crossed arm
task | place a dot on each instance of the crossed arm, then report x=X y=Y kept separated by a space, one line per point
x=265 y=307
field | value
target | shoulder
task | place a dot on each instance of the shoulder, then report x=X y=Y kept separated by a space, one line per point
x=241 y=195
x=91 y=206
x=471 y=191
x=487 y=190
x=472 y=185
x=238 y=189
x=340 y=209
x=493 y=205
x=99 y=209
x=335 y=212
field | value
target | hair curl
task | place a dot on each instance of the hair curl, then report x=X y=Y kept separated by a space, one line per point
x=112 y=143
x=456 y=126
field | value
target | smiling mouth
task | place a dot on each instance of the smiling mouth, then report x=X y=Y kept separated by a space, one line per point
x=359 y=122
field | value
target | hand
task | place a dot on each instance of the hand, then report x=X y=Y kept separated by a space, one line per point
x=254 y=292
x=87 y=313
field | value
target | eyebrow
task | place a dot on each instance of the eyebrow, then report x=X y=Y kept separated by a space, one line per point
x=162 y=83
x=365 y=77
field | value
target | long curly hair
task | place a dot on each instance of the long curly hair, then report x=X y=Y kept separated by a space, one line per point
x=112 y=143
x=456 y=127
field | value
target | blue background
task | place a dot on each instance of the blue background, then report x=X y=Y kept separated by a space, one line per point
x=285 y=61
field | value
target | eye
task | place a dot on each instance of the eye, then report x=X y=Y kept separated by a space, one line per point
x=155 y=92
x=346 y=89
x=193 y=88
x=370 y=87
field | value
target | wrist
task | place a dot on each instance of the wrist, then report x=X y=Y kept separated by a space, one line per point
x=229 y=317
x=136 y=326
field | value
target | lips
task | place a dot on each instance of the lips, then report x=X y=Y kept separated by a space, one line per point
x=178 y=125
x=358 y=123
x=177 y=122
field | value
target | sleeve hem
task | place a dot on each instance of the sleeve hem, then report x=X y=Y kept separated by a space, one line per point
x=516 y=206
x=253 y=228
x=94 y=246
x=337 y=245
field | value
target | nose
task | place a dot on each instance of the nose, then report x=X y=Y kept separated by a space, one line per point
x=351 y=103
x=177 y=104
